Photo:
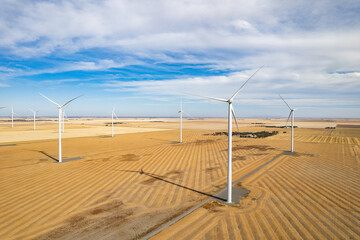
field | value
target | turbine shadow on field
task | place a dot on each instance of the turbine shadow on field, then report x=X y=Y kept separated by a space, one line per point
x=162 y=178
x=49 y=156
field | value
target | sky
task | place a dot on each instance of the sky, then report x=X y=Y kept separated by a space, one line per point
x=143 y=57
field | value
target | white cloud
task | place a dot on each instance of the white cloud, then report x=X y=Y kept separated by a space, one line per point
x=259 y=90
x=310 y=49
x=73 y=25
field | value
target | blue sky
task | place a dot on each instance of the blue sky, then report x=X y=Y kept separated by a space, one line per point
x=141 y=56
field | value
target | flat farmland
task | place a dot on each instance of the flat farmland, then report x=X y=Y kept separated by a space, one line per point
x=126 y=186
x=311 y=195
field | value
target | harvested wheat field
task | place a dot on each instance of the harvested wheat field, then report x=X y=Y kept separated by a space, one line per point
x=311 y=195
x=125 y=187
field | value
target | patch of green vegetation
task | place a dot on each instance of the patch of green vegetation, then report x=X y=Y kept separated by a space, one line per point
x=262 y=134
x=115 y=123
x=272 y=126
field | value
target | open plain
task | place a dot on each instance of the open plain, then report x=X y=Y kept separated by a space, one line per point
x=127 y=186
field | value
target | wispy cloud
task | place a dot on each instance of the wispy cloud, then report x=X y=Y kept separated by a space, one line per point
x=310 y=49
x=4 y=85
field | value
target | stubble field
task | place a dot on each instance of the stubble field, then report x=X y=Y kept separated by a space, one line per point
x=123 y=187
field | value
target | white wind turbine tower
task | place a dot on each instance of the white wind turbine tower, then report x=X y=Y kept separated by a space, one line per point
x=60 y=117
x=63 y=120
x=181 y=113
x=112 y=121
x=34 y=112
x=230 y=112
x=12 y=117
x=291 y=114
x=181 y=117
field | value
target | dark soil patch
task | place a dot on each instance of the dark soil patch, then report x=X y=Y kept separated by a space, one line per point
x=105 y=159
x=130 y=157
x=249 y=147
x=210 y=169
x=173 y=172
x=106 y=207
x=199 y=142
x=239 y=158
x=212 y=206
x=151 y=180
x=43 y=160
x=103 y=217
x=347 y=126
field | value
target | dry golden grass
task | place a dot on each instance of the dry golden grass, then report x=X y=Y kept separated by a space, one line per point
x=311 y=195
x=127 y=185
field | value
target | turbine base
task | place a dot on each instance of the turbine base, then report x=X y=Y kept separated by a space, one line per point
x=237 y=195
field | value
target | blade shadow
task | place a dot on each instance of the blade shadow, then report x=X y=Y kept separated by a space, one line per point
x=49 y=156
x=162 y=178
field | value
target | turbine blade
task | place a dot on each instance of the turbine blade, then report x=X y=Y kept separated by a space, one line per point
x=233 y=113
x=285 y=102
x=12 y=111
x=116 y=116
x=49 y=99
x=2 y=107
x=212 y=98
x=288 y=119
x=233 y=96
x=31 y=110
x=70 y=101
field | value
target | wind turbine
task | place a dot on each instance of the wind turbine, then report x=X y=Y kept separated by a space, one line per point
x=112 y=121
x=291 y=114
x=12 y=117
x=60 y=116
x=230 y=112
x=181 y=113
x=63 y=120
x=34 y=112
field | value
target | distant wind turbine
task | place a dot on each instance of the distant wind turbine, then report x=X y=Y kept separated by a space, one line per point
x=34 y=112
x=230 y=112
x=181 y=113
x=63 y=120
x=112 y=121
x=291 y=114
x=60 y=107
x=12 y=117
